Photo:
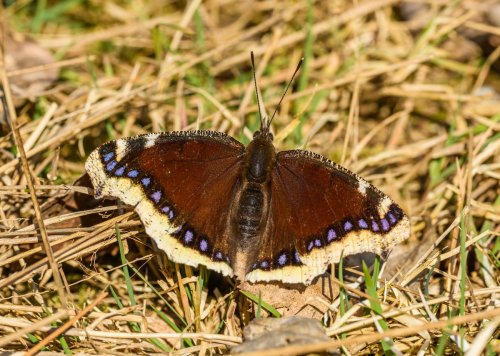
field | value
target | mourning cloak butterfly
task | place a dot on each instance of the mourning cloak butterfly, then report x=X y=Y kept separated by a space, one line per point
x=248 y=211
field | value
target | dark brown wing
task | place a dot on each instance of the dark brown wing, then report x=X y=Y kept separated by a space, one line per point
x=319 y=211
x=170 y=178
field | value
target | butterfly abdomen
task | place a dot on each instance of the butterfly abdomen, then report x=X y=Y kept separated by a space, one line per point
x=259 y=159
x=250 y=212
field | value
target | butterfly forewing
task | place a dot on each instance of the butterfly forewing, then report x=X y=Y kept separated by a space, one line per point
x=181 y=184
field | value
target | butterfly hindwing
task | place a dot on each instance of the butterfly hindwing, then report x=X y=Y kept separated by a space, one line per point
x=169 y=178
x=320 y=211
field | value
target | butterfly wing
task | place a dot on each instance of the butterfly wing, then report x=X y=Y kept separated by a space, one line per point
x=320 y=211
x=169 y=178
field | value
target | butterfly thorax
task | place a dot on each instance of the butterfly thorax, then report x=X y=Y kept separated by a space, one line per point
x=259 y=160
x=252 y=205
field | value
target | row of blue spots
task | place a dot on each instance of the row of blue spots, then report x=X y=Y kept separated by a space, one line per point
x=385 y=224
x=390 y=219
x=189 y=237
x=284 y=259
x=170 y=213
x=134 y=173
x=262 y=264
x=111 y=165
x=281 y=261
x=314 y=243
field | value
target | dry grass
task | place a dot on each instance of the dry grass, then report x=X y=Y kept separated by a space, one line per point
x=411 y=106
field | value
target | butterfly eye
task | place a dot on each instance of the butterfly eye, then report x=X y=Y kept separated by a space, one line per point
x=256 y=133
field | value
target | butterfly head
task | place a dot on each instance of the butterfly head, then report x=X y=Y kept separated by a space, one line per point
x=260 y=156
x=264 y=132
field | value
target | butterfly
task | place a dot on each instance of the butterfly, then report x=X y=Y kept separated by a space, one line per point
x=250 y=212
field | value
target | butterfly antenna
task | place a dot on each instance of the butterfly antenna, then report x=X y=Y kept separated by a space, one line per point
x=256 y=90
x=283 y=96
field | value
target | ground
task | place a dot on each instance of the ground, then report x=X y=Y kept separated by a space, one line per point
x=405 y=94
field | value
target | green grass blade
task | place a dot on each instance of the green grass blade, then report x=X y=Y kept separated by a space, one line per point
x=126 y=274
x=65 y=346
x=130 y=291
x=371 y=288
x=259 y=306
x=443 y=341
x=343 y=297
x=264 y=305
x=116 y=297
x=166 y=319
x=158 y=294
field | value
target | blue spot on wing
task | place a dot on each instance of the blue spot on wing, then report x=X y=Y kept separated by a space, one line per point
x=120 y=171
x=332 y=234
x=111 y=165
x=188 y=236
x=108 y=156
x=347 y=225
x=133 y=173
x=282 y=259
x=156 y=196
x=362 y=224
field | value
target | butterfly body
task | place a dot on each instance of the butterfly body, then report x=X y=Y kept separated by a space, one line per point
x=253 y=213
x=253 y=202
